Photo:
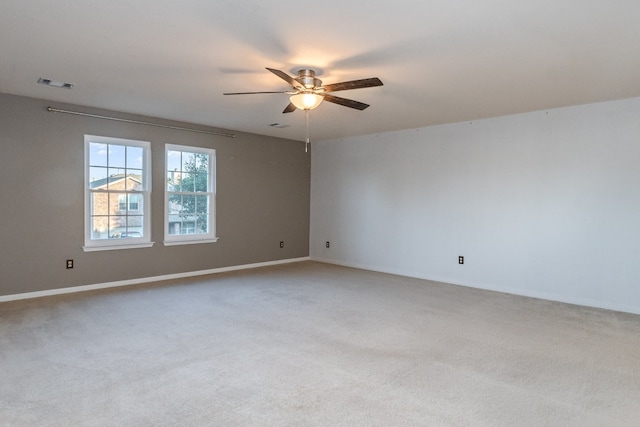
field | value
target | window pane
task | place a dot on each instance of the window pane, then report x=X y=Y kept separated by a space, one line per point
x=117 y=224
x=188 y=225
x=189 y=204
x=202 y=204
x=201 y=181
x=134 y=179
x=174 y=160
x=122 y=203
x=202 y=162
x=100 y=227
x=187 y=182
x=116 y=179
x=180 y=225
x=98 y=178
x=174 y=224
x=172 y=183
x=135 y=224
x=134 y=157
x=188 y=161
x=175 y=204
x=117 y=156
x=202 y=225
x=99 y=203
x=202 y=219
x=134 y=202
x=98 y=154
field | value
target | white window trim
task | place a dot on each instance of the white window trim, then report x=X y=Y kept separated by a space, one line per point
x=191 y=239
x=189 y=242
x=91 y=245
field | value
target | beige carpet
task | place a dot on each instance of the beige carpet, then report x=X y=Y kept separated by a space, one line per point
x=314 y=344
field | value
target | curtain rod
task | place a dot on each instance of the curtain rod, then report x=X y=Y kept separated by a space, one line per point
x=77 y=113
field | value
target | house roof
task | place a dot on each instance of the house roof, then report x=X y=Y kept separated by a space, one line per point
x=440 y=61
x=115 y=178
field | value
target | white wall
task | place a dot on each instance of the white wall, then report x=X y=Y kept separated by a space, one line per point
x=545 y=204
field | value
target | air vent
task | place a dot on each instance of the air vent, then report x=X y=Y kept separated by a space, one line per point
x=278 y=125
x=55 y=83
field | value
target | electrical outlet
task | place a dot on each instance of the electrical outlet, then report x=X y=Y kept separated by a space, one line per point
x=460 y=260
x=69 y=263
x=327 y=244
x=282 y=244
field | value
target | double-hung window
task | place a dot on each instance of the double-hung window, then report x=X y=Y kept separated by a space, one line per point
x=117 y=193
x=190 y=196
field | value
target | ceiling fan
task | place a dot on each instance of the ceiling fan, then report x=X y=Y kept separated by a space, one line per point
x=308 y=92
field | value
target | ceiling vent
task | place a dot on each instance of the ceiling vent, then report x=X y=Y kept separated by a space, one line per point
x=55 y=83
x=278 y=125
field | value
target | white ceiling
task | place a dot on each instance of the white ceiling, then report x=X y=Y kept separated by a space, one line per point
x=441 y=61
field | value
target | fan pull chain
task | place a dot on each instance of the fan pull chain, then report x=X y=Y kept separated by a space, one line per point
x=306 y=122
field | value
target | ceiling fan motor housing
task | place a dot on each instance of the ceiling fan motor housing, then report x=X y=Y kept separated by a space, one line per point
x=308 y=79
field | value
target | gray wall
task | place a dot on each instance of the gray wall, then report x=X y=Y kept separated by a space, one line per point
x=262 y=198
x=545 y=204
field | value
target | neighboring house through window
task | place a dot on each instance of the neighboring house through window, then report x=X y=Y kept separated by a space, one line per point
x=128 y=202
x=117 y=193
x=189 y=195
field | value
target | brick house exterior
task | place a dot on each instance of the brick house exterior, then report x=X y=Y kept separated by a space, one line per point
x=112 y=212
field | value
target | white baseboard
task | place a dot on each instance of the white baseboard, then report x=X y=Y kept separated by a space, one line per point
x=139 y=281
x=586 y=302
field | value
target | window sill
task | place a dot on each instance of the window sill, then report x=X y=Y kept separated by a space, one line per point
x=189 y=242
x=116 y=247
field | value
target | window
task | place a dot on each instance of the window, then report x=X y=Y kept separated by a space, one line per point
x=134 y=204
x=131 y=205
x=189 y=195
x=117 y=193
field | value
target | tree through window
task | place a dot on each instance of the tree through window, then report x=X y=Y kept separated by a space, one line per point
x=190 y=195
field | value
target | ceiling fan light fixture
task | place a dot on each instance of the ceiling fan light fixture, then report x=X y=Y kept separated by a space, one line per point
x=306 y=101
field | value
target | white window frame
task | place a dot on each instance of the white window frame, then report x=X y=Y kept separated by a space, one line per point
x=188 y=239
x=91 y=244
